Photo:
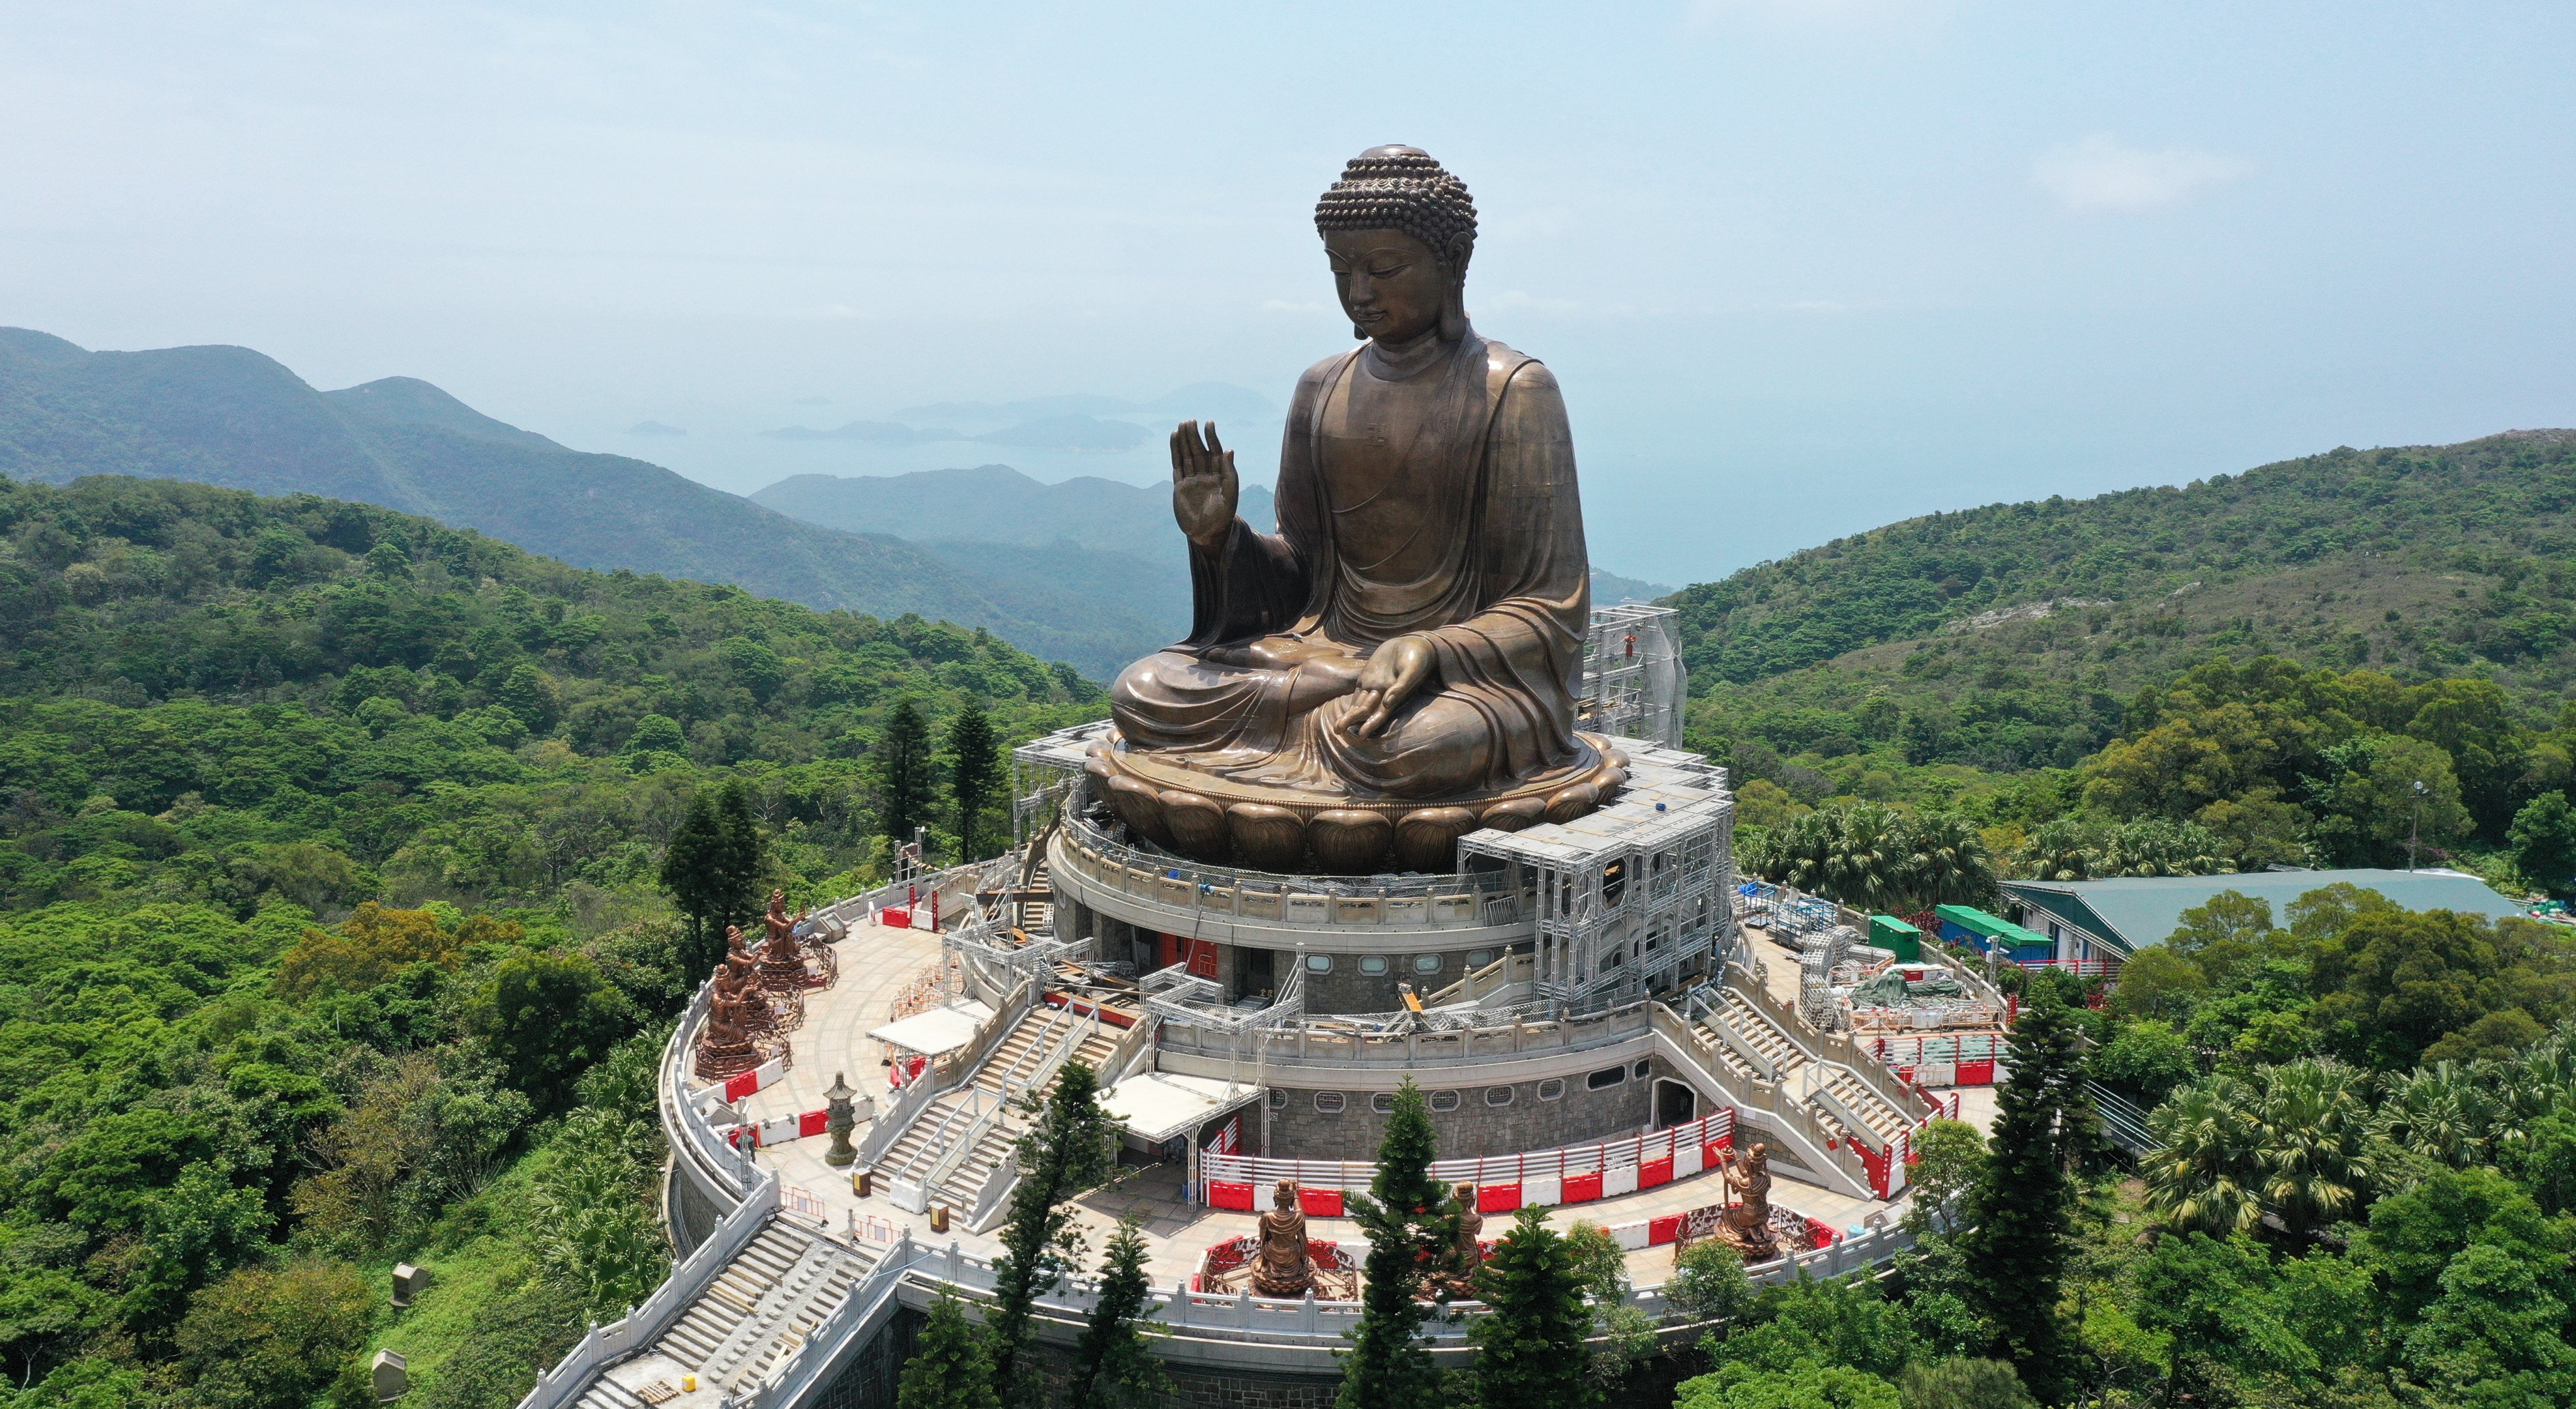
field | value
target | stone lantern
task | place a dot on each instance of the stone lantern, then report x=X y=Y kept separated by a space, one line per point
x=838 y=1118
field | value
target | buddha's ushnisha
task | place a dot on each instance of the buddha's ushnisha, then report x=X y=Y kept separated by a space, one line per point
x=1414 y=629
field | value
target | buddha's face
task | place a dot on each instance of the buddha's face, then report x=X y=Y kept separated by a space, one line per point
x=1392 y=285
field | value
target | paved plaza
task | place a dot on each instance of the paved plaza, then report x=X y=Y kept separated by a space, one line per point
x=877 y=963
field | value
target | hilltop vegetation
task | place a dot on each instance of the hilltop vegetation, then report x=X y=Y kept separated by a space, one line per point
x=2304 y=558
x=2258 y=655
x=329 y=883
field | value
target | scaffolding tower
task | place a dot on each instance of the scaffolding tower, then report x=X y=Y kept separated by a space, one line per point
x=1634 y=686
x=1631 y=900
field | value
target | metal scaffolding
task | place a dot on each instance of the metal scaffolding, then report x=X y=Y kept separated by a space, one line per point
x=1633 y=682
x=1634 y=899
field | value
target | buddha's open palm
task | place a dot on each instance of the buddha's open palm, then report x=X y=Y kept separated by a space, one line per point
x=1204 y=488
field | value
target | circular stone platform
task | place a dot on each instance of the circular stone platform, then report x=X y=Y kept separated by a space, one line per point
x=1282 y=829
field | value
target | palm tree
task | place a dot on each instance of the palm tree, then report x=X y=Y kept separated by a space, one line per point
x=1857 y=853
x=2157 y=847
x=2059 y=851
x=1948 y=863
x=2312 y=1129
x=2201 y=1176
x=2457 y=1115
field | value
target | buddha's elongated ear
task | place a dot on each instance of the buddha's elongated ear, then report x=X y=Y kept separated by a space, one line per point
x=1453 y=309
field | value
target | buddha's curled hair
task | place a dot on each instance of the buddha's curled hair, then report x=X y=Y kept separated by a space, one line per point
x=1401 y=188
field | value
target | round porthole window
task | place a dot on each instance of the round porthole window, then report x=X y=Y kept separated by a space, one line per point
x=1330 y=1102
x=1383 y=1103
x=1607 y=1076
x=1480 y=958
x=1499 y=1095
x=1552 y=1088
x=1319 y=963
x=1426 y=963
x=1642 y=1069
x=1444 y=1100
x=1373 y=964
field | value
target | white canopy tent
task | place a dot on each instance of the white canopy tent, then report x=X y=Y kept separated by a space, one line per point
x=942 y=1029
x=1158 y=1106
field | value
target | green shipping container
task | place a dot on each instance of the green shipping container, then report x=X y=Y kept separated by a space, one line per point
x=1889 y=932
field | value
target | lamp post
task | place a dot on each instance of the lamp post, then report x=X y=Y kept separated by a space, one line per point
x=2415 y=825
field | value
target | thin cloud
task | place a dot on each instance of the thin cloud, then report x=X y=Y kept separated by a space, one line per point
x=2100 y=174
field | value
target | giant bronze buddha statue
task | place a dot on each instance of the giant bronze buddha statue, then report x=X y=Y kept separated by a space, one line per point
x=1397 y=666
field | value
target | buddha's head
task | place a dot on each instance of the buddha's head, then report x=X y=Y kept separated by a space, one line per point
x=1399 y=230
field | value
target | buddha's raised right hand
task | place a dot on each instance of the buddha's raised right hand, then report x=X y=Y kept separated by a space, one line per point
x=1204 y=488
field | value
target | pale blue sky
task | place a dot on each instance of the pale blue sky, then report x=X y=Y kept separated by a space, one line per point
x=1803 y=266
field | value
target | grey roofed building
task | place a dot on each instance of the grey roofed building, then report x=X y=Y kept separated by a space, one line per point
x=2114 y=919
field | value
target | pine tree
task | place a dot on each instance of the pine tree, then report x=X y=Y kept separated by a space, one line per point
x=2022 y=1208
x=903 y=773
x=950 y=1367
x=712 y=871
x=1072 y=1147
x=1387 y=1366
x=745 y=857
x=1111 y=1365
x=693 y=876
x=1529 y=1346
x=974 y=771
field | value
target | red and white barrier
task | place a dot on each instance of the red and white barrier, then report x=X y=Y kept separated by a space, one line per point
x=1958 y=1059
x=1572 y=1174
x=777 y=1129
x=741 y=1084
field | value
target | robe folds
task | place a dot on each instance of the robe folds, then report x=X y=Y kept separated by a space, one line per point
x=1468 y=533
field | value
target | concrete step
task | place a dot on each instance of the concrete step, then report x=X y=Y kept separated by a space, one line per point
x=609 y=1394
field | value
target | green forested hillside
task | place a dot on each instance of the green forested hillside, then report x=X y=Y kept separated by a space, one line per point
x=229 y=416
x=2467 y=544
x=2248 y=653
x=329 y=863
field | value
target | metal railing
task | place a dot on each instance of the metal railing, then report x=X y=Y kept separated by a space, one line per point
x=2124 y=1122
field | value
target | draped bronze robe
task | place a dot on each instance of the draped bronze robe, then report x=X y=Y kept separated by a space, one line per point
x=1470 y=537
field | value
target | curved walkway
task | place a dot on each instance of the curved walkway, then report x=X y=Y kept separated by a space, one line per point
x=877 y=963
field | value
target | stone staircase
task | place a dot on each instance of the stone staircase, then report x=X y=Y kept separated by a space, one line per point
x=1885 y=1122
x=983 y=1112
x=756 y=1313
x=965 y=1179
x=1795 y=1067
x=605 y=1393
x=1756 y=1029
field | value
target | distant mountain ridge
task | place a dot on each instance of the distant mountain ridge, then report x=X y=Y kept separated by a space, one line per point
x=230 y=416
x=1071 y=431
x=1074 y=423
x=1006 y=507
x=1122 y=534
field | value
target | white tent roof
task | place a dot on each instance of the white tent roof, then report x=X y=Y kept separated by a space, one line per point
x=939 y=1030
x=1156 y=1106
